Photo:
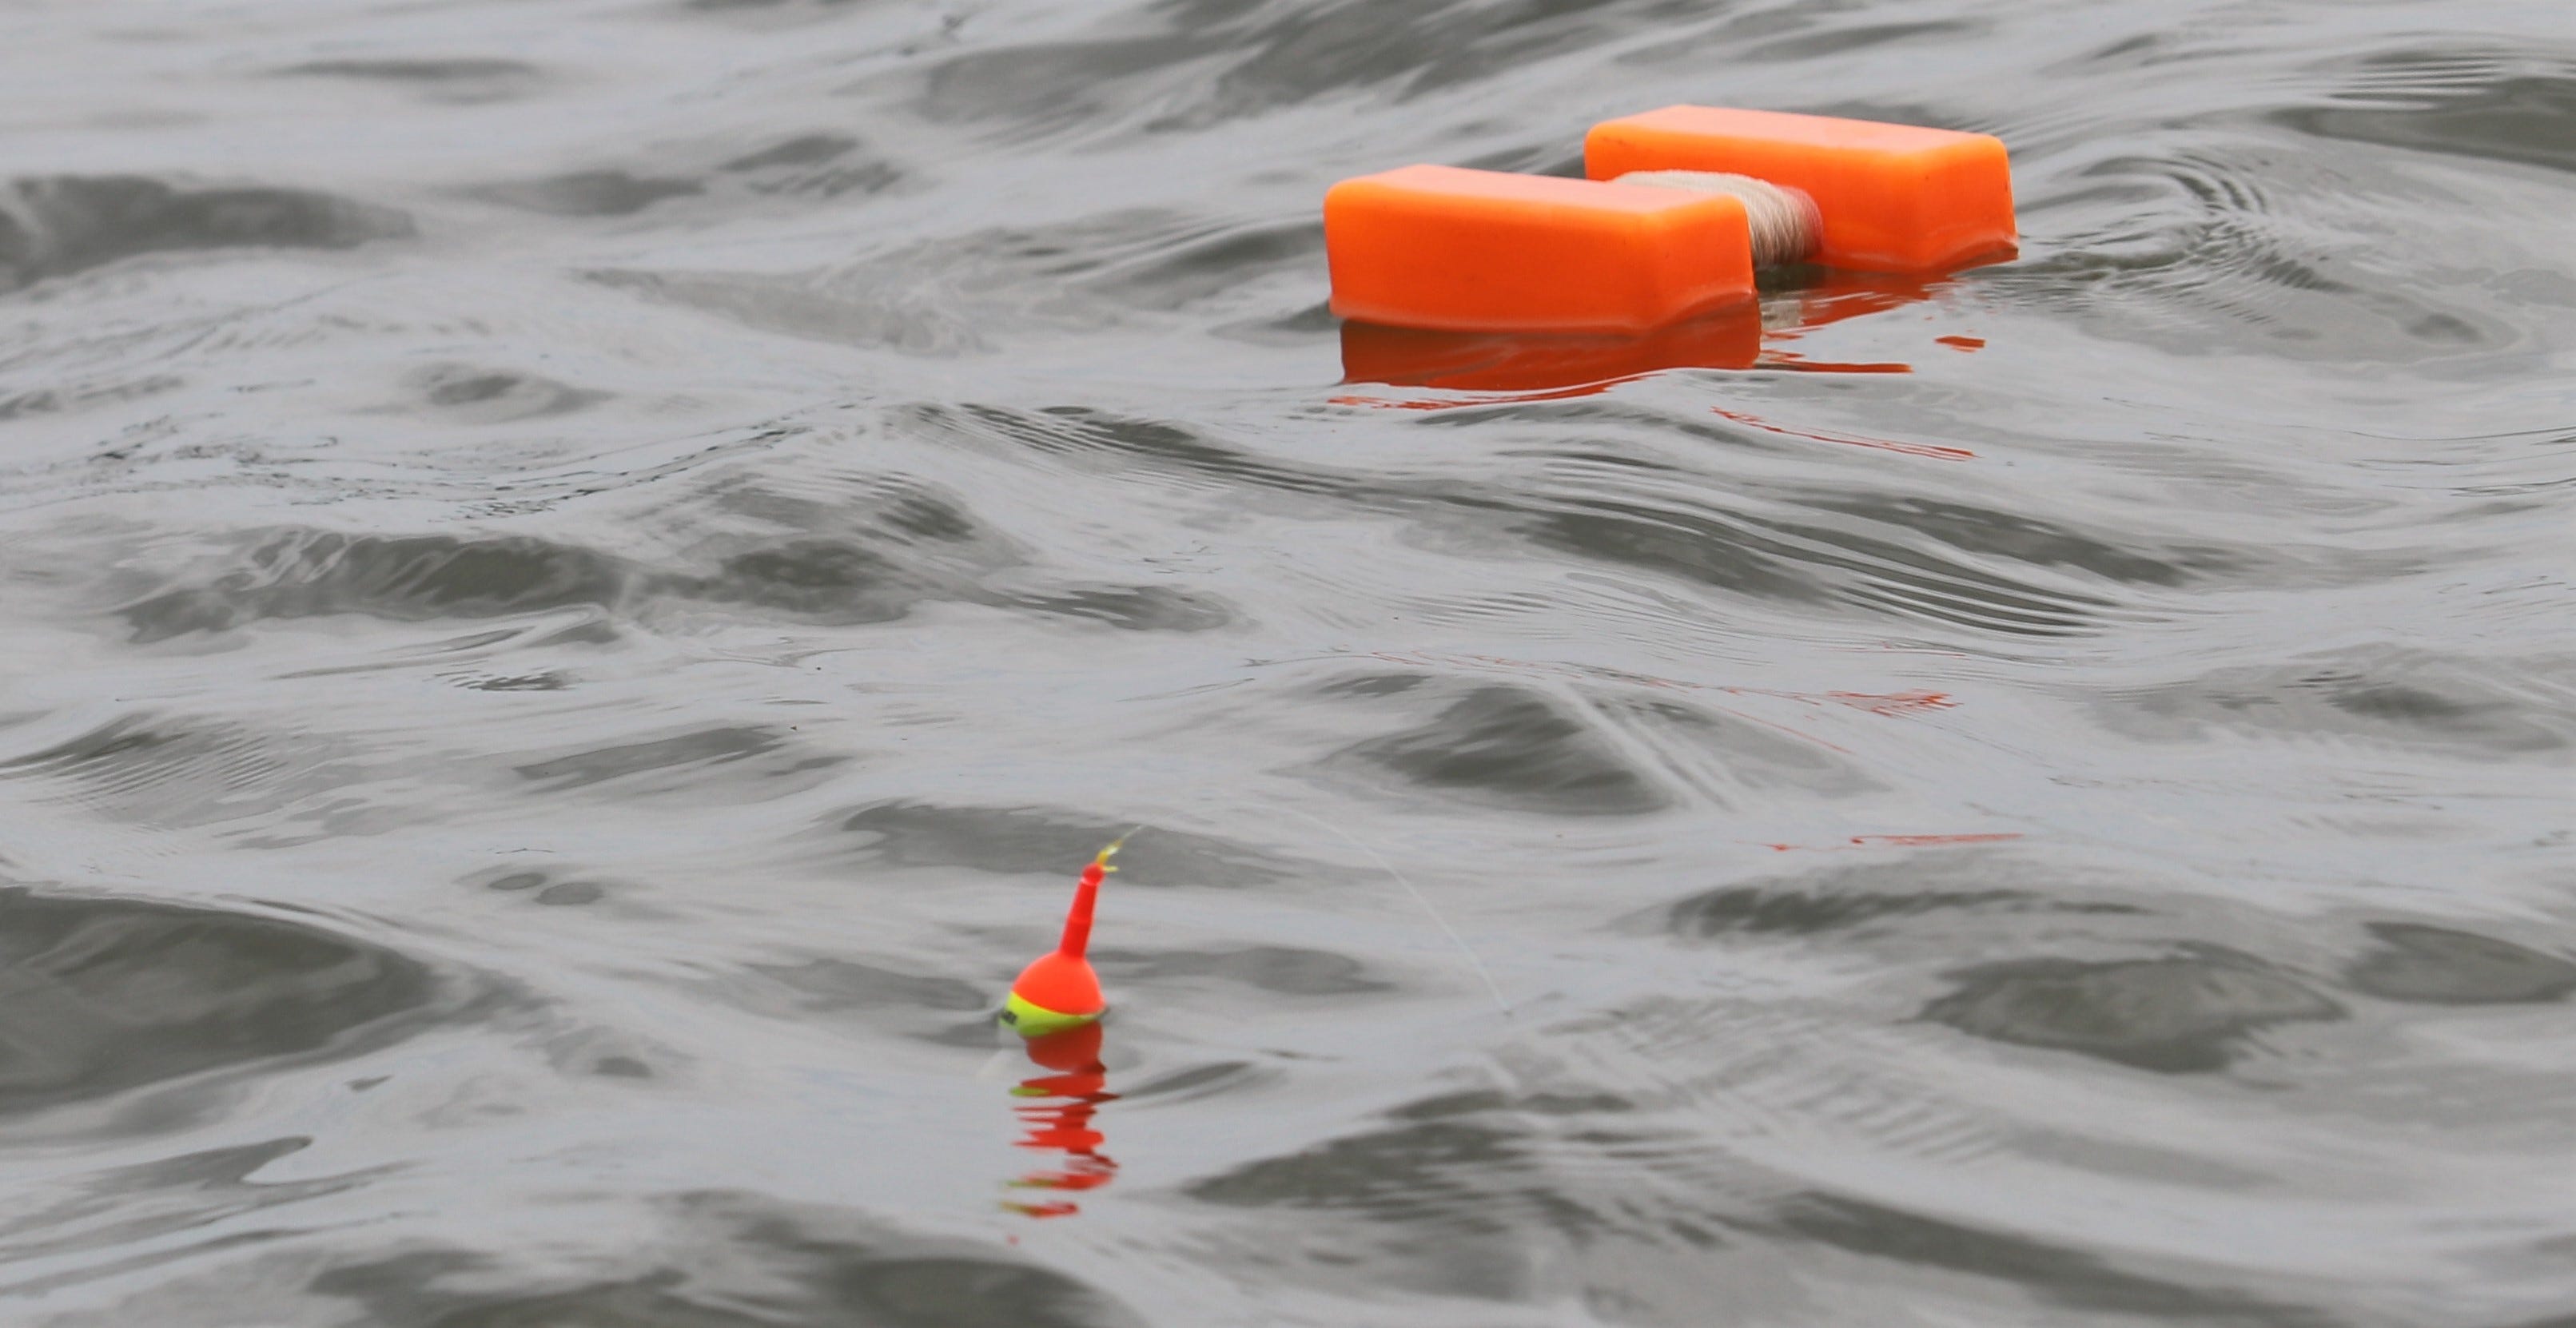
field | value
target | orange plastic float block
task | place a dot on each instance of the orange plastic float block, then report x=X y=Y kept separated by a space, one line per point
x=1461 y=250
x=1894 y=198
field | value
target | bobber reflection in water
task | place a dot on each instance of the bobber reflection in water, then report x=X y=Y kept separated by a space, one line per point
x=1057 y=1116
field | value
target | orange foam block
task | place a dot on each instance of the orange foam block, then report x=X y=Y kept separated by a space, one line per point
x=1463 y=250
x=1894 y=198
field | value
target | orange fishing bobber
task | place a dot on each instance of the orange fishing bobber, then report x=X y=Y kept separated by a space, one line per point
x=1680 y=207
x=1058 y=990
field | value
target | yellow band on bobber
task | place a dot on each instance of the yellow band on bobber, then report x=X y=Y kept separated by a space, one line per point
x=1030 y=1019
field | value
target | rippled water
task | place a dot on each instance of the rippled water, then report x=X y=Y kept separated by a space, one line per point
x=581 y=576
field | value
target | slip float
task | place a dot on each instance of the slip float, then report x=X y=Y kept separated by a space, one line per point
x=1678 y=209
x=1059 y=991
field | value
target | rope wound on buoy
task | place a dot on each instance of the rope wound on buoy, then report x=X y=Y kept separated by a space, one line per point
x=1679 y=208
x=1782 y=224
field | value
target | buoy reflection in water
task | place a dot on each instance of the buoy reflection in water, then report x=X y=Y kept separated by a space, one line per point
x=1057 y=1110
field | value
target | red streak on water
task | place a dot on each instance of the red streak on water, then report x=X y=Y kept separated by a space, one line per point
x=1893 y=703
x=1486 y=398
x=1933 y=450
x=1781 y=359
x=1895 y=841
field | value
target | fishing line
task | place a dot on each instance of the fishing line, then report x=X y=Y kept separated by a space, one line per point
x=1419 y=898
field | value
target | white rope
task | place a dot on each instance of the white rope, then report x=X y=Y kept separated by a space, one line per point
x=1784 y=221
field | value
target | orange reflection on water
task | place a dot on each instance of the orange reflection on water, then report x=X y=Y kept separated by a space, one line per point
x=1552 y=366
x=1541 y=366
x=1898 y=841
x=1056 y=1114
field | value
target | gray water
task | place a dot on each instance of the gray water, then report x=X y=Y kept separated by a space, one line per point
x=581 y=577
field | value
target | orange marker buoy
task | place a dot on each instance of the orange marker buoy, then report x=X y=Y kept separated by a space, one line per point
x=1470 y=251
x=1890 y=197
x=1708 y=194
x=1058 y=990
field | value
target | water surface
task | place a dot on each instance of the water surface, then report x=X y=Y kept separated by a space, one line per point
x=580 y=578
